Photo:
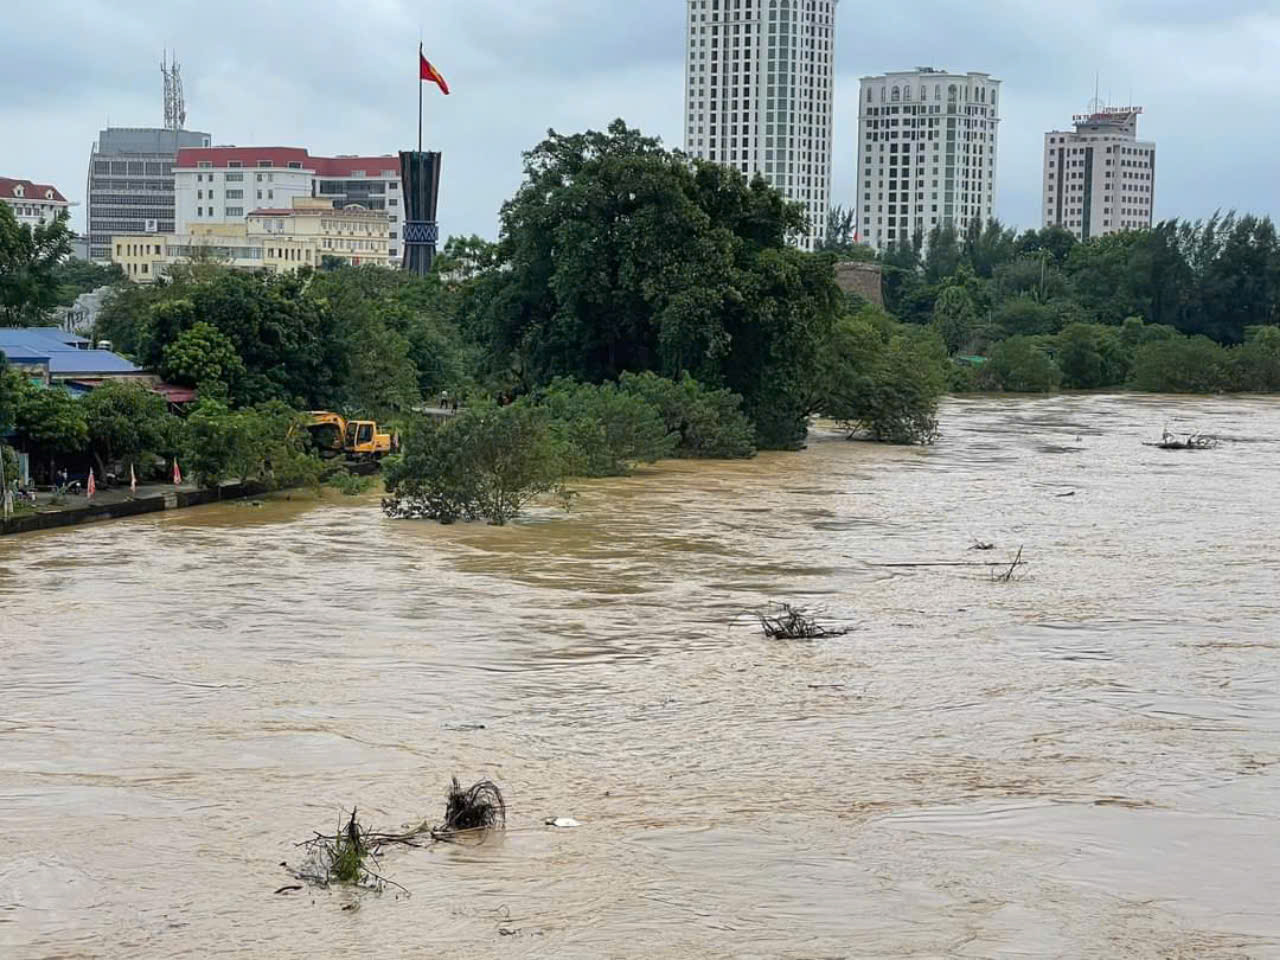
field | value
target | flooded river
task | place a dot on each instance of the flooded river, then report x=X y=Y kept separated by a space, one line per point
x=1084 y=762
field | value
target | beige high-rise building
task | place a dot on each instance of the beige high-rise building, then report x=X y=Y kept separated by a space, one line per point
x=1099 y=178
x=928 y=142
x=759 y=79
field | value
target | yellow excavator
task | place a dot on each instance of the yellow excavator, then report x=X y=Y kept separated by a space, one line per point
x=335 y=436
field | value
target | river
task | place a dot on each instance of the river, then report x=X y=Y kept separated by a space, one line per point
x=1083 y=762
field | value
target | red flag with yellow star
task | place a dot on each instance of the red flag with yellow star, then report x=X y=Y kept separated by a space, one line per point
x=427 y=72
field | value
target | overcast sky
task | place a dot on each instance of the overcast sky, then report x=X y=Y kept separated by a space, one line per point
x=338 y=76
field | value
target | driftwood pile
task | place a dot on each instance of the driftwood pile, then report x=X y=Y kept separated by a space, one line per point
x=782 y=621
x=1188 y=441
x=350 y=856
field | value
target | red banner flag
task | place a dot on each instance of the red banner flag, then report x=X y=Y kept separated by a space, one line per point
x=93 y=487
x=177 y=474
x=427 y=72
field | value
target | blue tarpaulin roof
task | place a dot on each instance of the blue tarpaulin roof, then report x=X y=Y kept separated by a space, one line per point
x=65 y=353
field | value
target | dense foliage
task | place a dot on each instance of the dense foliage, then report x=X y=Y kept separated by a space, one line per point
x=1170 y=308
x=486 y=463
x=29 y=259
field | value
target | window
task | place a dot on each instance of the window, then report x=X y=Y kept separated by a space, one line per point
x=235 y=211
x=235 y=178
x=199 y=211
x=234 y=164
x=393 y=202
x=204 y=164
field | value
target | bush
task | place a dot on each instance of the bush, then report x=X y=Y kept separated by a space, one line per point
x=1091 y=355
x=265 y=444
x=1256 y=363
x=349 y=484
x=1022 y=365
x=710 y=424
x=604 y=429
x=882 y=379
x=1182 y=365
x=485 y=463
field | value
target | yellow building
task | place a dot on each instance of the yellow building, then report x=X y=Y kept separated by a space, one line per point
x=280 y=241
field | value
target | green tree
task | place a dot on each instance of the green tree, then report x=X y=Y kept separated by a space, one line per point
x=29 y=258
x=1182 y=365
x=485 y=463
x=605 y=430
x=1257 y=362
x=1023 y=365
x=954 y=318
x=710 y=424
x=1092 y=356
x=130 y=425
x=265 y=443
x=51 y=420
x=74 y=277
x=882 y=379
x=203 y=357
x=619 y=256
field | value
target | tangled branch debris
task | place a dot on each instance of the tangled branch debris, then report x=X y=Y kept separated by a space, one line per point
x=785 y=622
x=479 y=807
x=1189 y=441
x=345 y=858
x=350 y=856
x=1007 y=576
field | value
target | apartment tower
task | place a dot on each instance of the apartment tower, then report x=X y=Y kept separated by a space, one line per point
x=1099 y=178
x=758 y=95
x=927 y=147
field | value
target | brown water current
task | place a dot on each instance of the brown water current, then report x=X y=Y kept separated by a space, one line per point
x=1084 y=762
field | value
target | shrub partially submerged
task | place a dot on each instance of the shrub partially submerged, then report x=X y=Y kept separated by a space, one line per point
x=479 y=807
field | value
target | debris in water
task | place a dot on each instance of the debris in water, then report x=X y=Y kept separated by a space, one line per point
x=479 y=807
x=344 y=858
x=1007 y=576
x=563 y=823
x=1189 y=441
x=785 y=622
x=982 y=545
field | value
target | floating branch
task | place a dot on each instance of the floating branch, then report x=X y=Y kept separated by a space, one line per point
x=1189 y=441
x=785 y=622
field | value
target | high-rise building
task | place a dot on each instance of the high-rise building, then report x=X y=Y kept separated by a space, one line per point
x=1099 y=178
x=130 y=189
x=927 y=148
x=225 y=185
x=758 y=95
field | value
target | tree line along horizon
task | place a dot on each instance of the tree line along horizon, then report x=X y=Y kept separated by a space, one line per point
x=640 y=304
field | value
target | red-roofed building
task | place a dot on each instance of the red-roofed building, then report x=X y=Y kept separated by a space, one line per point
x=32 y=203
x=224 y=185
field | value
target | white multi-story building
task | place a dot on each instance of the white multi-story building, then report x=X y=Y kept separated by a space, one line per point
x=1099 y=178
x=224 y=185
x=758 y=95
x=32 y=203
x=927 y=148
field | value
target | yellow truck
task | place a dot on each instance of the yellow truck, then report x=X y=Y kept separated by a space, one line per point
x=335 y=436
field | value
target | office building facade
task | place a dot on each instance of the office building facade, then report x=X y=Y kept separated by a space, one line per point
x=928 y=145
x=34 y=204
x=130 y=183
x=1099 y=178
x=224 y=185
x=759 y=83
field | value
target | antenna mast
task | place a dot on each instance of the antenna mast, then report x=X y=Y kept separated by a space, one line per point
x=175 y=108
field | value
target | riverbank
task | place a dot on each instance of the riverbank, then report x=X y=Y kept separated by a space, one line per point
x=119 y=504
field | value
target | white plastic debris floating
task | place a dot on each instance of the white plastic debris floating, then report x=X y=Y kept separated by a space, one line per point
x=563 y=823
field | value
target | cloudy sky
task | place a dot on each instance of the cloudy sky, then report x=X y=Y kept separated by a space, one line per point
x=338 y=76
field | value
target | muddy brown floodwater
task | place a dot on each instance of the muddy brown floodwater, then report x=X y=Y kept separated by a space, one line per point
x=1080 y=763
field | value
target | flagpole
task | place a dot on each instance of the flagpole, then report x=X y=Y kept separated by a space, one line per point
x=419 y=100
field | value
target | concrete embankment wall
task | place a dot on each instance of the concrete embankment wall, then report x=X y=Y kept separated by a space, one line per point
x=131 y=508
